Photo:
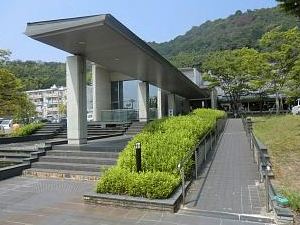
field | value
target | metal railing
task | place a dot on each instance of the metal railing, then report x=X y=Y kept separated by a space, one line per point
x=264 y=165
x=199 y=153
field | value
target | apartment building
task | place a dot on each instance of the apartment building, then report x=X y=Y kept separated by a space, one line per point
x=48 y=101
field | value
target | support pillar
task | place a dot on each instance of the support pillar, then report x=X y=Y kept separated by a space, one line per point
x=161 y=100
x=213 y=98
x=143 y=101
x=77 y=103
x=171 y=104
x=101 y=91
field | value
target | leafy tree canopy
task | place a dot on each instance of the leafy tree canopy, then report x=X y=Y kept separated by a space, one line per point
x=282 y=49
x=14 y=102
x=232 y=71
x=290 y=6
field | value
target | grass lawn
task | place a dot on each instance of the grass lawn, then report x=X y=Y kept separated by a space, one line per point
x=281 y=135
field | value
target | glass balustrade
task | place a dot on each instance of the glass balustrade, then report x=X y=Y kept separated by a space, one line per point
x=124 y=115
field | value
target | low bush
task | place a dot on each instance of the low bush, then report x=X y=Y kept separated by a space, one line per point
x=164 y=143
x=27 y=129
x=218 y=114
x=145 y=184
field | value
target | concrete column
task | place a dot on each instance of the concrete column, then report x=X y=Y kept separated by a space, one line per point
x=213 y=98
x=143 y=101
x=186 y=106
x=76 y=95
x=171 y=104
x=161 y=102
x=101 y=91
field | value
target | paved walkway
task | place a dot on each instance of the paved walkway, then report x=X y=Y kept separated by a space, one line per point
x=31 y=201
x=231 y=183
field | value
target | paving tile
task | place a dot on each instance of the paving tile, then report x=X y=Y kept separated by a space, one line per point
x=231 y=181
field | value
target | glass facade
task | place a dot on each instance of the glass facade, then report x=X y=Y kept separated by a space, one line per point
x=117 y=95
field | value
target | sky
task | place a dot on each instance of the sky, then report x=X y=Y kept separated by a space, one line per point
x=151 y=20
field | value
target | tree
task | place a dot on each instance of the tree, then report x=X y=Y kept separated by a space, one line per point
x=14 y=102
x=282 y=51
x=4 y=56
x=290 y=6
x=62 y=110
x=24 y=110
x=259 y=82
x=11 y=91
x=232 y=70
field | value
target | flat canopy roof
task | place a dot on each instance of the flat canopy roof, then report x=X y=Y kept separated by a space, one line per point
x=104 y=40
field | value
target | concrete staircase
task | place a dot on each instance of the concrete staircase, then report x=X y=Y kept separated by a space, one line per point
x=50 y=129
x=78 y=162
x=16 y=155
x=99 y=129
x=135 y=128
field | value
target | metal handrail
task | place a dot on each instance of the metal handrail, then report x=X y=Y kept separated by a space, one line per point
x=260 y=159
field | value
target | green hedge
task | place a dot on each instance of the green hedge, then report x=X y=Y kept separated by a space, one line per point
x=27 y=129
x=164 y=143
x=146 y=184
x=218 y=114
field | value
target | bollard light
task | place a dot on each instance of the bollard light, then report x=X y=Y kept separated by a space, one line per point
x=138 y=156
x=138 y=145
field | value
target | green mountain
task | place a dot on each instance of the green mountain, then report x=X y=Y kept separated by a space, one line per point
x=37 y=74
x=40 y=75
x=236 y=31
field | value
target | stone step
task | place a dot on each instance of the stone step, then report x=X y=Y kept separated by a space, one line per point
x=44 y=132
x=69 y=166
x=14 y=155
x=61 y=174
x=98 y=136
x=105 y=131
x=61 y=136
x=17 y=151
x=79 y=160
x=131 y=133
x=137 y=126
x=48 y=129
x=15 y=160
x=134 y=130
x=52 y=126
x=82 y=153
x=109 y=149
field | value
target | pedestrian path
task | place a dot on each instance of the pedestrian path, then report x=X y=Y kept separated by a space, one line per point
x=230 y=184
x=35 y=201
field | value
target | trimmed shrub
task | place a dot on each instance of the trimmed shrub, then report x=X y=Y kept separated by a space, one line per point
x=218 y=114
x=164 y=143
x=27 y=129
x=146 y=184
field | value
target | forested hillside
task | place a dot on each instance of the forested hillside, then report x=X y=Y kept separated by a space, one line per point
x=40 y=75
x=37 y=74
x=236 y=31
